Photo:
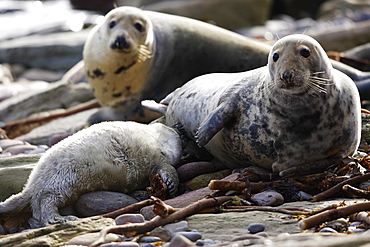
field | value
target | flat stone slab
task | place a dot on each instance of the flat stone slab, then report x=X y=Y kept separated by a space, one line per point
x=224 y=226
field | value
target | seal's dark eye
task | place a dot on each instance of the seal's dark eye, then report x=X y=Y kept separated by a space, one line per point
x=275 y=57
x=139 y=26
x=112 y=24
x=305 y=52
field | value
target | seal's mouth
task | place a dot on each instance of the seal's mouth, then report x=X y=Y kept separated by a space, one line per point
x=121 y=43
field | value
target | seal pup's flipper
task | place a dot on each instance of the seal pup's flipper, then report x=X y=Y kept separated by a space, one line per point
x=16 y=204
x=154 y=106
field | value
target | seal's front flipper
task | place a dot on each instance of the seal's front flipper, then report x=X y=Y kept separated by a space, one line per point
x=215 y=121
x=154 y=106
x=169 y=175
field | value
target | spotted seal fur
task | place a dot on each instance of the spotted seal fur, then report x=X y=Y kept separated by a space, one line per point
x=136 y=54
x=115 y=156
x=296 y=115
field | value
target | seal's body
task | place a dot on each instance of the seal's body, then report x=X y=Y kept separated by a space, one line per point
x=297 y=114
x=135 y=55
x=115 y=156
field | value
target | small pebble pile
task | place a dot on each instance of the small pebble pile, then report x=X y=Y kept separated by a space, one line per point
x=171 y=235
x=9 y=147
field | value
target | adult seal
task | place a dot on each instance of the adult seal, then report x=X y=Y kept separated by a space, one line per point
x=295 y=115
x=115 y=156
x=135 y=55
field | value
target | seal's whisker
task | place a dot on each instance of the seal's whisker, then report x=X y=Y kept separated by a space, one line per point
x=317 y=86
x=319 y=72
x=312 y=91
x=322 y=81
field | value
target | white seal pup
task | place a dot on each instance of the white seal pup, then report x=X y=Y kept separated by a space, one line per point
x=115 y=156
x=296 y=115
x=135 y=55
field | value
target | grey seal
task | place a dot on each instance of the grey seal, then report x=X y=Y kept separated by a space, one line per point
x=116 y=156
x=135 y=55
x=296 y=115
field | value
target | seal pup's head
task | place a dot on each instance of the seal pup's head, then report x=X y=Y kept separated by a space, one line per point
x=298 y=64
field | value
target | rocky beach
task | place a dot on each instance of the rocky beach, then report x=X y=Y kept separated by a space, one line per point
x=45 y=97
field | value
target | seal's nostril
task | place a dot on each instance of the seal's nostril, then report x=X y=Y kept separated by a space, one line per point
x=287 y=76
x=120 y=43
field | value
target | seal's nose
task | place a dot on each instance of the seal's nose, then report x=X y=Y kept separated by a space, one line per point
x=287 y=76
x=120 y=43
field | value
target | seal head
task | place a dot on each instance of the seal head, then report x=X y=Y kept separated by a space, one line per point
x=119 y=49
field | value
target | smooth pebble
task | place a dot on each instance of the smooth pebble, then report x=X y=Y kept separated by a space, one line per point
x=120 y=244
x=149 y=239
x=7 y=143
x=89 y=238
x=161 y=233
x=268 y=198
x=179 y=240
x=256 y=227
x=132 y=218
x=204 y=242
x=328 y=229
x=177 y=227
x=193 y=235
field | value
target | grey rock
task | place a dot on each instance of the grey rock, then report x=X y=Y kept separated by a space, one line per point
x=100 y=202
x=192 y=236
x=70 y=124
x=57 y=234
x=229 y=14
x=180 y=241
x=121 y=244
x=14 y=172
x=7 y=143
x=57 y=51
x=57 y=95
x=18 y=149
x=161 y=233
x=129 y=218
x=149 y=239
x=256 y=227
x=180 y=226
x=328 y=229
x=89 y=238
x=268 y=198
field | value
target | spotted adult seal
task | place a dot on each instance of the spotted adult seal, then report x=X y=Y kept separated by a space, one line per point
x=297 y=114
x=135 y=55
x=116 y=156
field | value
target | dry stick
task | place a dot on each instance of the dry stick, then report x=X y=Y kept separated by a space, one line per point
x=129 y=209
x=338 y=187
x=361 y=216
x=137 y=228
x=227 y=185
x=333 y=214
x=356 y=192
x=72 y=110
x=266 y=208
x=286 y=210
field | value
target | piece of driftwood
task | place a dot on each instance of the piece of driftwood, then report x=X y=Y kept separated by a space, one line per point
x=356 y=192
x=327 y=193
x=227 y=185
x=333 y=214
x=129 y=209
x=361 y=216
x=138 y=228
x=23 y=126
